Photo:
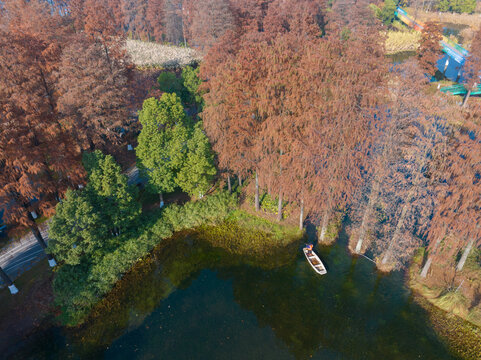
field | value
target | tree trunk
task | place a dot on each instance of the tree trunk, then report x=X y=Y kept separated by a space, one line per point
x=258 y=207
x=229 y=186
x=43 y=244
x=367 y=214
x=183 y=30
x=6 y=279
x=106 y=50
x=424 y=271
x=466 y=98
x=48 y=93
x=240 y=180
x=397 y=232
x=325 y=223
x=38 y=236
x=91 y=144
x=279 y=204
x=466 y=252
x=426 y=267
x=279 y=207
x=161 y=200
x=301 y=216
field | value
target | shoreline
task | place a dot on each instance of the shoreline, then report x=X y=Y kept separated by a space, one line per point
x=462 y=337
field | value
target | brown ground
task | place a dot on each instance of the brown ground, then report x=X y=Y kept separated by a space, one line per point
x=32 y=308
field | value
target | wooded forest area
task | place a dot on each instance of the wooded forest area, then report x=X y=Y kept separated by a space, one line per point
x=301 y=101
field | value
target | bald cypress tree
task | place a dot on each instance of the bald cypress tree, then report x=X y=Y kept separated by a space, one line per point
x=93 y=93
x=40 y=164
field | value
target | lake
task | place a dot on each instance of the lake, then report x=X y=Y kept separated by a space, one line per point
x=191 y=300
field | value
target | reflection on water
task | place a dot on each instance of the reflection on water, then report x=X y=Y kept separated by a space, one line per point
x=193 y=301
x=400 y=57
x=452 y=29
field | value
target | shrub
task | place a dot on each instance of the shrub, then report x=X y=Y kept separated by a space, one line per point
x=269 y=204
x=186 y=86
x=168 y=82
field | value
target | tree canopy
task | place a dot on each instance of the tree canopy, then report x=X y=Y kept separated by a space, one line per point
x=87 y=220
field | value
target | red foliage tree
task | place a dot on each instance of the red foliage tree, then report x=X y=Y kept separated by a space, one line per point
x=293 y=98
x=472 y=68
x=93 y=97
x=430 y=47
x=36 y=156
x=154 y=18
x=207 y=21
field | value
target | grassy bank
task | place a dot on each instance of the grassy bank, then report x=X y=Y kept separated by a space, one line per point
x=454 y=292
x=79 y=287
x=246 y=234
x=463 y=337
x=452 y=301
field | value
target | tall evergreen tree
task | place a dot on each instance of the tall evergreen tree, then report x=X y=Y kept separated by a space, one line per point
x=162 y=142
x=114 y=197
x=197 y=172
x=76 y=228
x=87 y=220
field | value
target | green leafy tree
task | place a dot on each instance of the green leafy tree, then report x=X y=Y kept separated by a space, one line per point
x=87 y=220
x=76 y=228
x=111 y=192
x=162 y=142
x=192 y=83
x=459 y=6
x=466 y=6
x=444 y=5
x=196 y=175
x=387 y=13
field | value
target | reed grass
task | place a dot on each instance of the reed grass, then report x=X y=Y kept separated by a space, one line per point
x=399 y=41
x=471 y=20
x=153 y=55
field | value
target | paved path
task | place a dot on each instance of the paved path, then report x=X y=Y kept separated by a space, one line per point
x=21 y=255
x=133 y=176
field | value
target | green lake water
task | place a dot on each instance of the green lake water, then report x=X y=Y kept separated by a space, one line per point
x=194 y=301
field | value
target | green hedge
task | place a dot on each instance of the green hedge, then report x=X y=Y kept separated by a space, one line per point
x=78 y=287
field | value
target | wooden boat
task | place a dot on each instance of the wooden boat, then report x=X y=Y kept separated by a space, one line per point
x=315 y=262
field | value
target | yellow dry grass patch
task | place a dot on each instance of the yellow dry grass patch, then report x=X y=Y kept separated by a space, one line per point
x=399 y=41
x=471 y=20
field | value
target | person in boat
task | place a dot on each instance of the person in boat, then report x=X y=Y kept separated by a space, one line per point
x=309 y=249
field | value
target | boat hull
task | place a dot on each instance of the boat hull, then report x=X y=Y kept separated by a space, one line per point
x=315 y=262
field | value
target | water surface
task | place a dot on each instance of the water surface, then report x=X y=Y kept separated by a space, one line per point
x=194 y=301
